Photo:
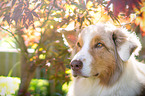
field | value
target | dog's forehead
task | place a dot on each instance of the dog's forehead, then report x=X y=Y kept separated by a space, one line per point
x=92 y=31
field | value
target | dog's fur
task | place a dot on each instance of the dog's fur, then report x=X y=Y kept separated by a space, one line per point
x=119 y=73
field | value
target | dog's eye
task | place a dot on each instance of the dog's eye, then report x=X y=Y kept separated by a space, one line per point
x=98 y=45
x=78 y=44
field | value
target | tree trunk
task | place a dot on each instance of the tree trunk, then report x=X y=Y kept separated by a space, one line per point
x=27 y=68
x=27 y=73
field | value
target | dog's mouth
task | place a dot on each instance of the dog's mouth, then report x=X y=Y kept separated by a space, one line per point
x=80 y=75
x=96 y=74
x=75 y=75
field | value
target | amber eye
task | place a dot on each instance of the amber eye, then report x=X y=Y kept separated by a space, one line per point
x=78 y=44
x=98 y=45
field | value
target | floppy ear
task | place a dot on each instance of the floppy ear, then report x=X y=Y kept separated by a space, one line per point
x=126 y=43
x=70 y=37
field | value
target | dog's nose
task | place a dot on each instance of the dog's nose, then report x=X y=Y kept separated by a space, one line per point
x=76 y=65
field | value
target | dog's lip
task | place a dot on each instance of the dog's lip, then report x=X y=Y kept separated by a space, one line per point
x=75 y=75
x=86 y=76
x=81 y=76
x=96 y=74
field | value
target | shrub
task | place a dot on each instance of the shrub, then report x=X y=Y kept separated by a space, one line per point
x=10 y=85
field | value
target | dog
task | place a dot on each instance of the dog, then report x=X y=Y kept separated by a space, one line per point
x=104 y=62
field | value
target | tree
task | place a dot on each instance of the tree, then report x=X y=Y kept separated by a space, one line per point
x=34 y=24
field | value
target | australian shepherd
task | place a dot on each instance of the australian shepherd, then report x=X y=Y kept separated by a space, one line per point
x=104 y=64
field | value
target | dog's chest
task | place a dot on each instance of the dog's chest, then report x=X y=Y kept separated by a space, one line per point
x=84 y=87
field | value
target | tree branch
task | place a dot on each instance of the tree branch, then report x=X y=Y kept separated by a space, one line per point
x=11 y=34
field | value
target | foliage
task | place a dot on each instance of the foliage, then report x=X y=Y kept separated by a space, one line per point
x=35 y=23
x=38 y=87
x=8 y=85
x=120 y=6
x=132 y=10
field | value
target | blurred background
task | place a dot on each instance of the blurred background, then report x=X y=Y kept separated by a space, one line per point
x=34 y=57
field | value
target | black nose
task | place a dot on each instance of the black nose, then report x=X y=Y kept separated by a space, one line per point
x=76 y=65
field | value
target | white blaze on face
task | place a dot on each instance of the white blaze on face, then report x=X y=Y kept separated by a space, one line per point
x=84 y=54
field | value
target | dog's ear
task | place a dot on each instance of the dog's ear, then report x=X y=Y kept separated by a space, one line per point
x=126 y=43
x=70 y=36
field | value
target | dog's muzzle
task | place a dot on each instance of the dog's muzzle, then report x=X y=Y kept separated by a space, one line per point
x=76 y=66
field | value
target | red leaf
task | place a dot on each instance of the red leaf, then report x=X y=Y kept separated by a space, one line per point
x=125 y=6
x=35 y=14
x=26 y=26
x=30 y=17
x=7 y=18
x=36 y=6
x=13 y=2
x=140 y=20
x=17 y=12
x=143 y=33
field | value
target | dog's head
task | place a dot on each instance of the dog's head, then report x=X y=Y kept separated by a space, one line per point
x=101 y=51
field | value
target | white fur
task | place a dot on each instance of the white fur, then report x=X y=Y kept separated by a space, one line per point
x=128 y=85
x=124 y=51
x=86 y=59
x=84 y=55
x=132 y=40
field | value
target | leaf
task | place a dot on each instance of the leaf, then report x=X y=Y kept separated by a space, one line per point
x=7 y=18
x=140 y=20
x=27 y=3
x=26 y=26
x=24 y=20
x=143 y=33
x=30 y=18
x=40 y=49
x=142 y=24
x=42 y=56
x=125 y=6
x=89 y=4
x=113 y=17
x=13 y=2
x=17 y=12
x=35 y=14
x=36 y=6
x=34 y=46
